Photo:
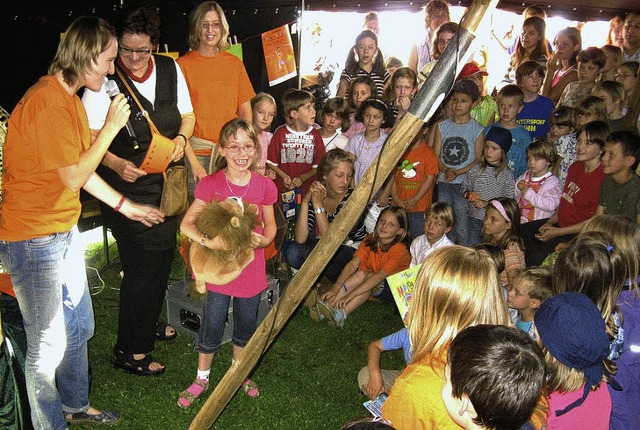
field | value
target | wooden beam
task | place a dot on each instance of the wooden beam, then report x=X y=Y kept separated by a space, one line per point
x=423 y=106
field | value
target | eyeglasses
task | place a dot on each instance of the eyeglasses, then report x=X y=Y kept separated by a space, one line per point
x=127 y=51
x=235 y=149
x=623 y=75
x=215 y=25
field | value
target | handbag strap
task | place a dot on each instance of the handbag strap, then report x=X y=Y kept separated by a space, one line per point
x=153 y=127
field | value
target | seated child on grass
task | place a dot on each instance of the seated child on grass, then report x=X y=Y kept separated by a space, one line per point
x=380 y=254
x=493 y=379
x=531 y=287
x=373 y=380
x=439 y=219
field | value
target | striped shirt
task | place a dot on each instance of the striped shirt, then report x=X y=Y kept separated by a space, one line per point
x=357 y=233
x=377 y=79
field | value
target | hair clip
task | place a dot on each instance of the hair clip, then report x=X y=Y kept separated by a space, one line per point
x=609 y=249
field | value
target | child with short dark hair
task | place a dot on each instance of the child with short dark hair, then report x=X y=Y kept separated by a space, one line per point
x=538 y=191
x=296 y=147
x=333 y=119
x=488 y=180
x=493 y=379
x=458 y=144
x=439 y=219
x=590 y=62
x=534 y=116
x=510 y=103
x=531 y=287
x=620 y=189
x=573 y=336
x=362 y=88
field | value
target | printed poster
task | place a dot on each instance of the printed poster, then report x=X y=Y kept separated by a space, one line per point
x=278 y=55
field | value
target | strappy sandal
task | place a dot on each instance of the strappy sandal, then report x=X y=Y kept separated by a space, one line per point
x=188 y=396
x=161 y=331
x=250 y=388
x=140 y=367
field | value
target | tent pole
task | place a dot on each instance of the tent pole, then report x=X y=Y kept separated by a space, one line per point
x=424 y=105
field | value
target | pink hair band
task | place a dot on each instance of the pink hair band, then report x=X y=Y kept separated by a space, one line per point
x=496 y=204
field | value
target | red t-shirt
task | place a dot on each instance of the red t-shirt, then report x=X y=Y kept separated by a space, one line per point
x=581 y=194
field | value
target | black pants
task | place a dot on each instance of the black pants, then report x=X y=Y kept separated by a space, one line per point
x=142 y=293
x=537 y=250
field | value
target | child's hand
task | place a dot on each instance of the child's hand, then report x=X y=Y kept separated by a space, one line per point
x=450 y=174
x=258 y=240
x=341 y=303
x=286 y=179
x=523 y=185
x=403 y=103
x=295 y=182
x=547 y=232
x=375 y=386
x=472 y=197
x=410 y=203
x=269 y=173
x=329 y=297
x=479 y=203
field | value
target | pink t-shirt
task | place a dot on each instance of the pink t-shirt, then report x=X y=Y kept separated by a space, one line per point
x=262 y=192
x=593 y=414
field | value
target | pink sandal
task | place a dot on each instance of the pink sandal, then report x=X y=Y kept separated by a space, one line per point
x=250 y=388
x=188 y=396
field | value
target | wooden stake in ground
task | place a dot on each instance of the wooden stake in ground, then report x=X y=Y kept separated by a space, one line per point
x=424 y=105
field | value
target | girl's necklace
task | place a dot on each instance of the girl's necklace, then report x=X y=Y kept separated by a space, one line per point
x=239 y=186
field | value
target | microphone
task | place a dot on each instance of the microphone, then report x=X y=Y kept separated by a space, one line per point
x=112 y=90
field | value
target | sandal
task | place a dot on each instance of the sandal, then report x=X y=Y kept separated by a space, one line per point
x=188 y=396
x=311 y=302
x=161 y=331
x=250 y=388
x=140 y=367
x=104 y=417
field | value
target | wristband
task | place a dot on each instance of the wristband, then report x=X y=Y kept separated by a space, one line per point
x=119 y=205
x=184 y=137
x=345 y=287
x=320 y=210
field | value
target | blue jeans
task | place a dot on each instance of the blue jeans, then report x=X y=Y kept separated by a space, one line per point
x=50 y=282
x=416 y=224
x=297 y=253
x=214 y=317
x=450 y=193
x=475 y=231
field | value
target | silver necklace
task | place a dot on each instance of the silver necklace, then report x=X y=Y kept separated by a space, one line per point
x=231 y=191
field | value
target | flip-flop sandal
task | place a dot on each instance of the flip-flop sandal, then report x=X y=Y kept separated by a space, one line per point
x=250 y=388
x=188 y=396
x=140 y=367
x=161 y=331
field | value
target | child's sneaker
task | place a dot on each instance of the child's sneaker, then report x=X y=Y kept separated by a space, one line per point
x=311 y=302
x=336 y=317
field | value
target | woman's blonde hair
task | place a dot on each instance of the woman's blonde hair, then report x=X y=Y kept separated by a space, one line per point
x=85 y=39
x=232 y=128
x=456 y=287
x=197 y=18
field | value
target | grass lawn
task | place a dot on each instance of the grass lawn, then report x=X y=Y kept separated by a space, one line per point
x=307 y=378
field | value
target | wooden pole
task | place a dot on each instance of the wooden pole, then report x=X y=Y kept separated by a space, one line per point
x=423 y=106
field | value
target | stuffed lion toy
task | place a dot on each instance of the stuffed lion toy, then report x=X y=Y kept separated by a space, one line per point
x=233 y=223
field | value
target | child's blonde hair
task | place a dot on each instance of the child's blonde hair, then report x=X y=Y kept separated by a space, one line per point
x=613 y=88
x=264 y=97
x=232 y=128
x=442 y=211
x=456 y=287
x=538 y=280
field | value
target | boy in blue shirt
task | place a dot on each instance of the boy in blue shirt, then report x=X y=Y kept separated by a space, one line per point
x=510 y=104
x=534 y=116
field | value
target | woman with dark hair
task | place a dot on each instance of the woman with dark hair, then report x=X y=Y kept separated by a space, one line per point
x=562 y=68
x=319 y=207
x=48 y=157
x=218 y=83
x=532 y=46
x=145 y=253
x=364 y=59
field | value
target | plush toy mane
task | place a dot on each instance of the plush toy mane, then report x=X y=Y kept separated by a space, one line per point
x=233 y=223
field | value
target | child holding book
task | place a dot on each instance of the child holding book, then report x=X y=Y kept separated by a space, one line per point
x=486 y=365
x=458 y=143
x=439 y=219
x=488 y=180
x=413 y=183
x=531 y=287
x=510 y=103
x=296 y=147
x=456 y=287
x=538 y=191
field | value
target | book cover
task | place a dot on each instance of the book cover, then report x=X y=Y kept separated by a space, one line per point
x=401 y=285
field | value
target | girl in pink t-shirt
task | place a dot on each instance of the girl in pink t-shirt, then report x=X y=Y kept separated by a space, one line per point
x=235 y=179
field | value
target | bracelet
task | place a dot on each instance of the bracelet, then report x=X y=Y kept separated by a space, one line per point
x=320 y=210
x=120 y=203
x=345 y=287
x=184 y=137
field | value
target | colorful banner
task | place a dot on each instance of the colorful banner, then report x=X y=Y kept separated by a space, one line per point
x=278 y=54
